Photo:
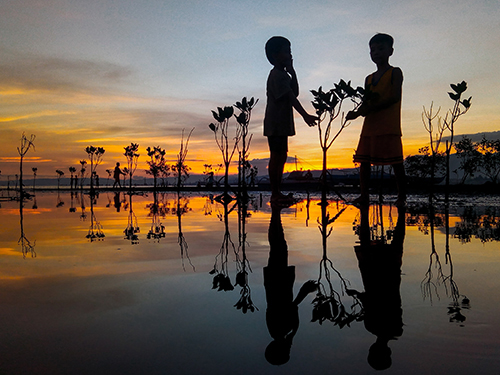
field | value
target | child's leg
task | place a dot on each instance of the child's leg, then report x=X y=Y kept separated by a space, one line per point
x=276 y=166
x=365 y=172
x=399 y=173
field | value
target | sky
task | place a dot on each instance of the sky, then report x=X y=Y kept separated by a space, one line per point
x=108 y=73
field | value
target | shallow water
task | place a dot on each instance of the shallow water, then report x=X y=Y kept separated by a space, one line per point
x=124 y=285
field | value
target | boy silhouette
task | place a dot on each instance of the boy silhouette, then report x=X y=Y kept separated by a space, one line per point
x=380 y=139
x=282 y=91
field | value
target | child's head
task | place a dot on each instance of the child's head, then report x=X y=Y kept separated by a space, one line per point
x=381 y=48
x=382 y=39
x=274 y=46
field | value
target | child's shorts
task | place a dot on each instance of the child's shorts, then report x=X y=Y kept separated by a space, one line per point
x=278 y=143
x=379 y=150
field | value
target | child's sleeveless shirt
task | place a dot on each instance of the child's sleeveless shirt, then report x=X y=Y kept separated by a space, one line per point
x=388 y=120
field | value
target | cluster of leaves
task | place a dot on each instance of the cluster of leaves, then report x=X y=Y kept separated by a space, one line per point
x=455 y=310
x=459 y=89
x=157 y=163
x=331 y=308
x=95 y=233
x=156 y=232
x=245 y=107
x=95 y=152
x=131 y=234
x=326 y=102
x=221 y=282
x=245 y=302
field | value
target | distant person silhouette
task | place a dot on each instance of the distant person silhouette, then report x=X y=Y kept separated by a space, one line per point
x=380 y=267
x=116 y=175
x=380 y=139
x=282 y=92
x=282 y=316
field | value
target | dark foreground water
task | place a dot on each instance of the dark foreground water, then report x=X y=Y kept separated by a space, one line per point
x=124 y=285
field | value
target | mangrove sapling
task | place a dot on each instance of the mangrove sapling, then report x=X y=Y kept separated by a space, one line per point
x=26 y=145
x=460 y=107
x=243 y=119
x=95 y=156
x=158 y=163
x=132 y=155
x=180 y=168
x=328 y=107
x=221 y=134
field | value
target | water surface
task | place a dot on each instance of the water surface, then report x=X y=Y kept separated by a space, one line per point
x=124 y=284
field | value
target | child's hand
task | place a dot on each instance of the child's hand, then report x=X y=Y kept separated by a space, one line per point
x=309 y=287
x=310 y=120
x=351 y=115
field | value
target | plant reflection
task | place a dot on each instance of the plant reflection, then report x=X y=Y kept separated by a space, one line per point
x=435 y=275
x=328 y=304
x=132 y=226
x=157 y=210
x=245 y=302
x=27 y=247
x=380 y=266
x=180 y=209
x=221 y=280
x=95 y=232
x=282 y=315
x=474 y=224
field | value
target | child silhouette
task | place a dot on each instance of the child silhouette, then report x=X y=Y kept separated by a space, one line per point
x=380 y=139
x=282 y=91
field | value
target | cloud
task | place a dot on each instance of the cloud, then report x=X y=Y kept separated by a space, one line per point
x=30 y=72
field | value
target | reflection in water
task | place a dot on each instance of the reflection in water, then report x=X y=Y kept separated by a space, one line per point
x=27 y=247
x=60 y=202
x=435 y=275
x=157 y=210
x=282 y=315
x=132 y=226
x=181 y=209
x=245 y=302
x=380 y=266
x=474 y=224
x=221 y=280
x=328 y=304
x=95 y=232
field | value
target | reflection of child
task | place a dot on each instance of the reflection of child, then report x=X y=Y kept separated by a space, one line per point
x=380 y=139
x=380 y=266
x=282 y=92
x=282 y=314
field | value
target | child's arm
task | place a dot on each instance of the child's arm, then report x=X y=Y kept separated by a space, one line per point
x=361 y=111
x=309 y=119
x=294 y=83
x=366 y=108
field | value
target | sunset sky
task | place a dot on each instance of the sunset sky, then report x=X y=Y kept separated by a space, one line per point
x=107 y=73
